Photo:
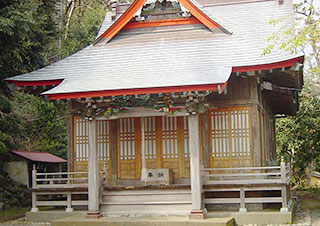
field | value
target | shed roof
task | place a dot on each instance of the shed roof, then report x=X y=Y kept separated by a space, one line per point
x=139 y=60
x=39 y=156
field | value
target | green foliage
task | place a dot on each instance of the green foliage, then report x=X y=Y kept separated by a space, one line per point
x=33 y=124
x=12 y=193
x=26 y=28
x=304 y=35
x=298 y=137
x=84 y=25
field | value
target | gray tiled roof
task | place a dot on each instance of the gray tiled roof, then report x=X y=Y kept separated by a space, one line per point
x=172 y=56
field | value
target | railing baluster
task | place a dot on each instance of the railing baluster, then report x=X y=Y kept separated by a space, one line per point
x=243 y=208
x=34 y=194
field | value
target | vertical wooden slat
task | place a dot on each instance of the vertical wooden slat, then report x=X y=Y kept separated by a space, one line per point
x=118 y=147
x=137 y=143
x=180 y=134
x=114 y=153
x=205 y=139
x=159 y=142
x=230 y=139
x=210 y=123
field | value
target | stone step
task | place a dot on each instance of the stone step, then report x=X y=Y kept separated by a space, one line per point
x=147 y=208
x=147 y=197
x=146 y=202
x=144 y=221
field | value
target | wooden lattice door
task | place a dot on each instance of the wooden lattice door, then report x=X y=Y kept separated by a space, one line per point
x=81 y=147
x=129 y=148
x=230 y=137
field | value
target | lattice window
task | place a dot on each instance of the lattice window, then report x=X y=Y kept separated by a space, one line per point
x=150 y=138
x=240 y=132
x=81 y=131
x=126 y=135
x=103 y=138
x=220 y=133
x=169 y=137
x=230 y=132
x=186 y=137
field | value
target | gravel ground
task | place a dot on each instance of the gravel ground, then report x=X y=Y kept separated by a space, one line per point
x=23 y=222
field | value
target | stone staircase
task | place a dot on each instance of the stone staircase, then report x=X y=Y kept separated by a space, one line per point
x=146 y=202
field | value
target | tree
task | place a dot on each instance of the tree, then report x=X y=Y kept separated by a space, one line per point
x=29 y=34
x=26 y=30
x=298 y=138
x=82 y=20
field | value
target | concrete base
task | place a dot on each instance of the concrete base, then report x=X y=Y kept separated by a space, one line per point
x=196 y=214
x=243 y=210
x=45 y=216
x=69 y=210
x=34 y=210
x=62 y=218
x=93 y=215
x=255 y=218
x=143 y=221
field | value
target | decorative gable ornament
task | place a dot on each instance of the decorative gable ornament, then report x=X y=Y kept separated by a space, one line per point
x=136 y=9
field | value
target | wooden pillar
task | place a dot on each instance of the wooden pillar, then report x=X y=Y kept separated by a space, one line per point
x=143 y=144
x=70 y=151
x=205 y=140
x=34 y=194
x=243 y=208
x=284 y=186
x=69 y=202
x=195 y=174
x=93 y=179
x=256 y=136
x=114 y=152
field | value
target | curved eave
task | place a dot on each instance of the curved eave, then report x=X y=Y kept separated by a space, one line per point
x=155 y=90
x=261 y=67
x=36 y=83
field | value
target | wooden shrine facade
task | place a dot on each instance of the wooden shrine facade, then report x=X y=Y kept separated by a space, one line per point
x=233 y=133
x=166 y=86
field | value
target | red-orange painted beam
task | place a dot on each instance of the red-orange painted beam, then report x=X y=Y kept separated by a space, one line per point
x=161 y=23
x=261 y=67
x=36 y=83
x=137 y=4
x=123 y=20
x=197 y=13
x=156 y=90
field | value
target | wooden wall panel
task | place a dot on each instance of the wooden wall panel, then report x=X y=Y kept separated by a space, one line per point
x=230 y=137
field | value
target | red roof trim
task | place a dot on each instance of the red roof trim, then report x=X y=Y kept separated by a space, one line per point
x=261 y=67
x=213 y=87
x=36 y=83
x=123 y=20
x=161 y=23
x=39 y=156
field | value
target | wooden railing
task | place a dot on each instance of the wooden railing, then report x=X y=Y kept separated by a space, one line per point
x=242 y=179
x=63 y=184
x=247 y=175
